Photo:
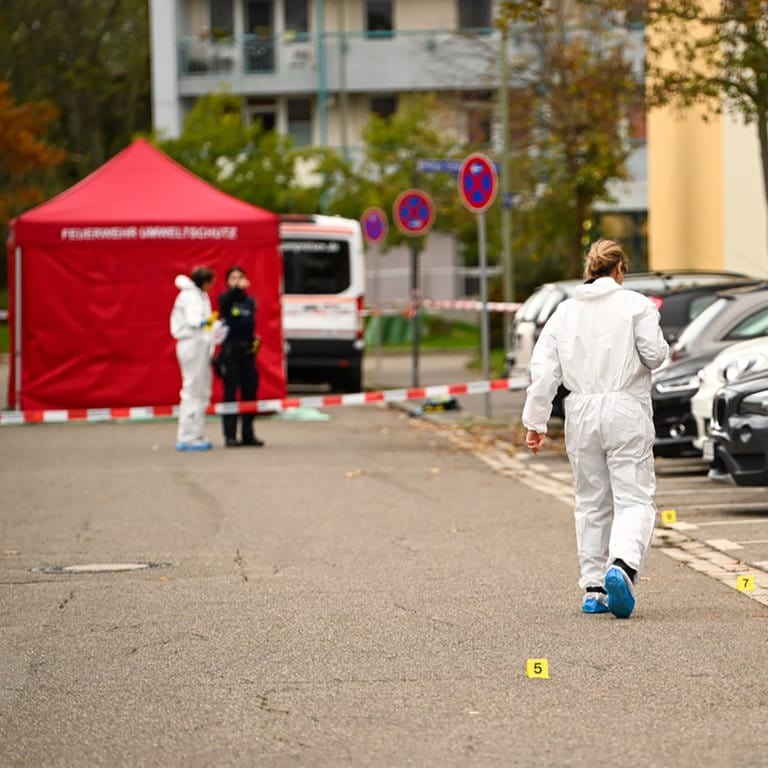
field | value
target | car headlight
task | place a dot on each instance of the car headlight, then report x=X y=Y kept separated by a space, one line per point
x=678 y=384
x=744 y=365
x=756 y=403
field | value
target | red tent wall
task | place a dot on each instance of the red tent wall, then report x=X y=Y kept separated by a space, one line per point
x=97 y=283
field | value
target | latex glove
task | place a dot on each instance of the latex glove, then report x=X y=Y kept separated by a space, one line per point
x=210 y=320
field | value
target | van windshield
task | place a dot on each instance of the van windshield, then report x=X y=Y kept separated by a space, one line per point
x=315 y=266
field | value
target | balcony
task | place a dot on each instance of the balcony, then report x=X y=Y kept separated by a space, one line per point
x=430 y=60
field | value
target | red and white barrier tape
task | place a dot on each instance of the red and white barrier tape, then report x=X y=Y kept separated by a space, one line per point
x=142 y=413
x=431 y=304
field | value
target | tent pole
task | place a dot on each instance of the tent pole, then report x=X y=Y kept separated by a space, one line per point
x=17 y=334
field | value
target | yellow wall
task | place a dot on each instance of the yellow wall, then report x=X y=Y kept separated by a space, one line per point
x=685 y=191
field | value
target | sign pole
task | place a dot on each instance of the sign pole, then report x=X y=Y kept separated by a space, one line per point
x=414 y=213
x=377 y=301
x=374 y=223
x=484 y=335
x=416 y=309
x=477 y=184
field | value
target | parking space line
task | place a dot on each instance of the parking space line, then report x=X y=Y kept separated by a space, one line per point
x=725 y=544
x=709 y=558
x=750 y=521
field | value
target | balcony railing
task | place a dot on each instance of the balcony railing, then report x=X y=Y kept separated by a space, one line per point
x=370 y=62
x=356 y=61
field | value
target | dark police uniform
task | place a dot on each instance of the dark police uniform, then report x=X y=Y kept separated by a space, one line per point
x=237 y=363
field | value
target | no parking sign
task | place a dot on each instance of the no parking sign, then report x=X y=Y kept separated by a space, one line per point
x=414 y=212
x=374 y=222
x=477 y=182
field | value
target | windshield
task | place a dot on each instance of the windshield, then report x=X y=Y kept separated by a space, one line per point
x=695 y=328
x=315 y=266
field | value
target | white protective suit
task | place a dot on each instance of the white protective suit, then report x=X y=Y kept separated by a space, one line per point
x=602 y=345
x=194 y=347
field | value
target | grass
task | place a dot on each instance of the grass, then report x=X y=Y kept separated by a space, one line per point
x=439 y=334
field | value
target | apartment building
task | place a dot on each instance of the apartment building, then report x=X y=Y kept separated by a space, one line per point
x=317 y=69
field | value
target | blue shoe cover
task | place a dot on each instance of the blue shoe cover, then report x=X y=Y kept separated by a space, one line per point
x=621 y=600
x=593 y=605
x=197 y=445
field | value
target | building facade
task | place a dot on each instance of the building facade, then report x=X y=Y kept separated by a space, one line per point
x=317 y=69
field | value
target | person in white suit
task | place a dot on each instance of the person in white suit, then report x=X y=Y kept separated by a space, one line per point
x=194 y=326
x=602 y=345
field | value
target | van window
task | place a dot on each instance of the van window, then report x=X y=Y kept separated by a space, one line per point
x=315 y=266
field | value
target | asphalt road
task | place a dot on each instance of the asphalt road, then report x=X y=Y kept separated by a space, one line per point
x=366 y=590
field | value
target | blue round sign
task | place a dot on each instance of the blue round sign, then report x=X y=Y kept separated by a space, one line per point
x=477 y=182
x=374 y=222
x=414 y=212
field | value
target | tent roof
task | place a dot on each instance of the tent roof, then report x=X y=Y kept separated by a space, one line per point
x=142 y=185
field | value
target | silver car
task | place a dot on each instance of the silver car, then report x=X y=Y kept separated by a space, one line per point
x=735 y=315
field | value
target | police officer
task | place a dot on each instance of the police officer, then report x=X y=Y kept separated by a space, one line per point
x=237 y=356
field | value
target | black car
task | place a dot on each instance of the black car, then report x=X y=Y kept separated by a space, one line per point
x=671 y=393
x=739 y=431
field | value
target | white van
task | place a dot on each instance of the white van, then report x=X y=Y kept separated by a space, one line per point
x=323 y=300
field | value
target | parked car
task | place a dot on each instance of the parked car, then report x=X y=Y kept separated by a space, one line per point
x=730 y=365
x=680 y=296
x=739 y=430
x=735 y=315
x=671 y=392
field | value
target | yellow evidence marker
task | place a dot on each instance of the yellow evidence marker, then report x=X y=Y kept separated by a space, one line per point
x=668 y=516
x=537 y=668
x=745 y=583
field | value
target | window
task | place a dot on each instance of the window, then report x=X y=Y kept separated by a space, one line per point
x=475 y=14
x=261 y=111
x=384 y=106
x=296 y=19
x=300 y=121
x=222 y=19
x=378 y=18
x=315 y=266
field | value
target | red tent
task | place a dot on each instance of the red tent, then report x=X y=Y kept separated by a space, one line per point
x=91 y=283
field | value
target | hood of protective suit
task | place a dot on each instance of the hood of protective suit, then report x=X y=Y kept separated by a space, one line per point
x=596 y=290
x=190 y=310
x=184 y=283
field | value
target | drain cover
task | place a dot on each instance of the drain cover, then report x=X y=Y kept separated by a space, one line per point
x=100 y=567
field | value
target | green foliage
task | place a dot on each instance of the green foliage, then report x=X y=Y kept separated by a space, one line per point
x=89 y=58
x=392 y=148
x=246 y=161
x=571 y=86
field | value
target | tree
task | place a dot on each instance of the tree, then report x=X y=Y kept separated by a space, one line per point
x=393 y=145
x=90 y=58
x=248 y=162
x=25 y=155
x=715 y=55
x=571 y=87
